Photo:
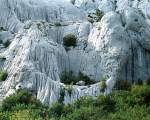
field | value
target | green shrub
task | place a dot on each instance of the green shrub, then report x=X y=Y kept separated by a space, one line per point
x=35 y=102
x=70 y=40
x=86 y=79
x=4 y=116
x=130 y=113
x=142 y=92
x=6 y=44
x=22 y=96
x=115 y=106
x=99 y=15
x=89 y=108
x=106 y=103
x=147 y=81
x=123 y=85
x=102 y=85
x=83 y=101
x=124 y=98
x=57 y=24
x=56 y=110
x=139 y=82
x=69 y=89
x=3 y=75
x=67 y=109
x=62 y=94
x=18 y=107
x=68 y=77
x=38 y=114
x=84 y=113
x=9 y=102
x=119 y=105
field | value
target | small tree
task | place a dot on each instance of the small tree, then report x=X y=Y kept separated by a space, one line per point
x=70 y=40
x=99 y=15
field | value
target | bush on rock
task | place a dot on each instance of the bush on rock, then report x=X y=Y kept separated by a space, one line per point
x=22 y=96
x=68 y=78
x=3 y=75
x=70 y=40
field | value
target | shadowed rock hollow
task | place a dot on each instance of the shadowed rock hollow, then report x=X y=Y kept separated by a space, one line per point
x=117 y=46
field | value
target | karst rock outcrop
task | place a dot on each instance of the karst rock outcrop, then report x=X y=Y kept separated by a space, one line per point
x=117 y=45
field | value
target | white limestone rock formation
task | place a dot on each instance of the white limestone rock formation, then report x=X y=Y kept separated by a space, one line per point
x=117 y=46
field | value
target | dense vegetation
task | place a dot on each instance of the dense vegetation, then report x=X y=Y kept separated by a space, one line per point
x=22 y=105
x=21 y=98
x=131 y=104
x=68 y=77
x=119 y=105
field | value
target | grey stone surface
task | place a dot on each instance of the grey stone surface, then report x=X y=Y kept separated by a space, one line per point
x=117 y=46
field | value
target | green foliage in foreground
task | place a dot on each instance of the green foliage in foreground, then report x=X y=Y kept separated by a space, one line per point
x=119 y=105
x=21 y=99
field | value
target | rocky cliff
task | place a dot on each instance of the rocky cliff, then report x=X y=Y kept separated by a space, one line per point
x=117 y=45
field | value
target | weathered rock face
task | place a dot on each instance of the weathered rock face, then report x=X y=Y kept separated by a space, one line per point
x=117 y=46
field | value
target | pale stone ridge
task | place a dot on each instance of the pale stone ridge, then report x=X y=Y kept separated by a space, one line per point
x=117 y=46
